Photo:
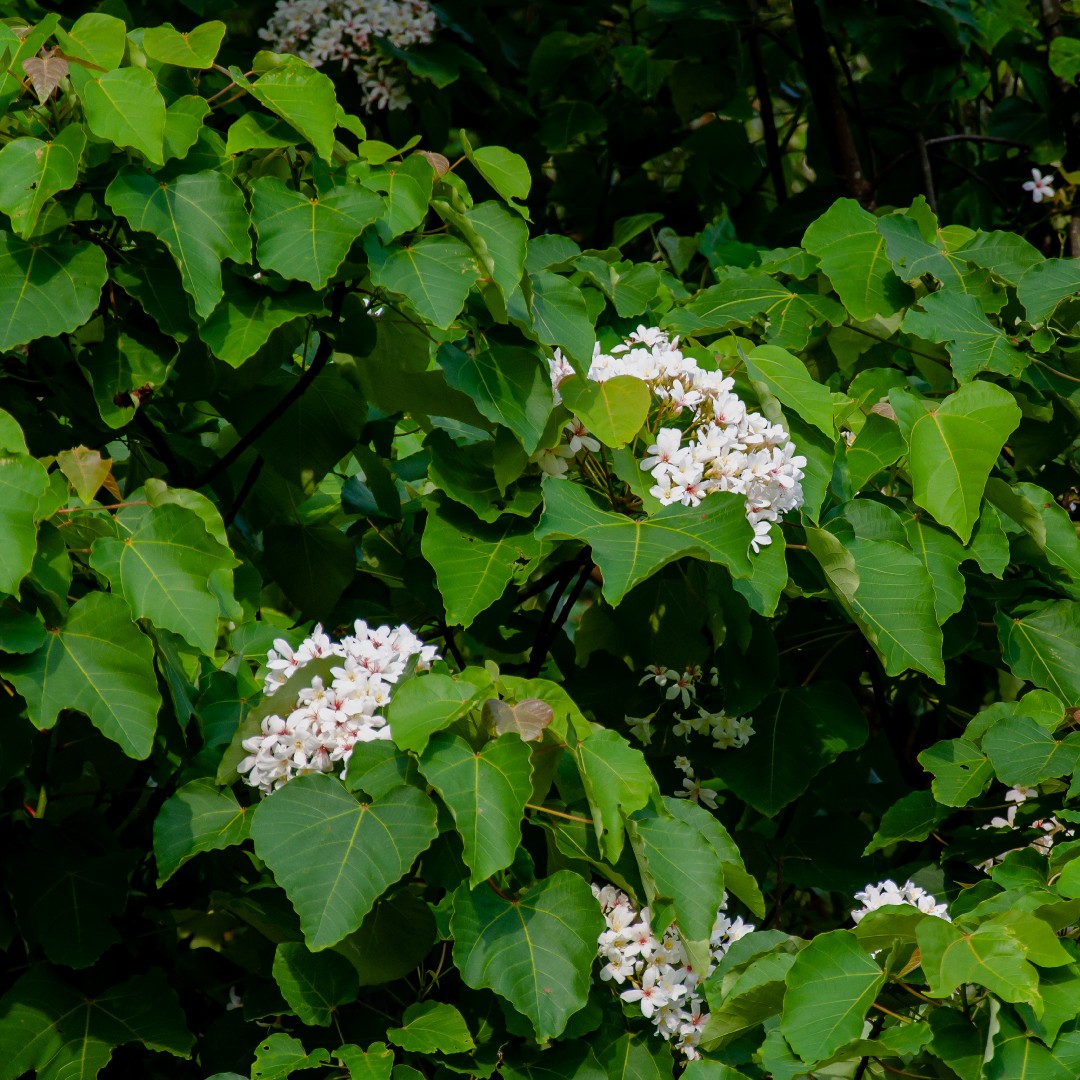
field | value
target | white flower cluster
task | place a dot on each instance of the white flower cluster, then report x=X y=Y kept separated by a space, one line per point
x=725 y=731
x=1052 y=829
x=885 y=893
x=719 y=445
x=344 y=31
x=322 y=724
x=662 y=981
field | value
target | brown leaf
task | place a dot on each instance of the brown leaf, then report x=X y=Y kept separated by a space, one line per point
x=86 y=470
x=45 y=73
x=883 y=408
x=438 y=162
x=528 y=718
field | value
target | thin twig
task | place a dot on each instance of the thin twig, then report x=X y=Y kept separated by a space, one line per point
x=558 y=813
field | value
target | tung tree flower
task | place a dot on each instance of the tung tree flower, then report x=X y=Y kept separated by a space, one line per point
x=1039 y=186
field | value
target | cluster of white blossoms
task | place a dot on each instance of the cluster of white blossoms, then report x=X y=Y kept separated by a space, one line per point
x=886 y=893
x=707 y=440
x=725 y=731
x=663 y=984
x=322 y=724
x=1051 y=828
x=344 y=32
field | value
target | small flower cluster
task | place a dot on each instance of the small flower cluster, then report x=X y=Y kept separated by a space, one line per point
x=692 y=786
x=662 y=982
x=1052 y=829
x=725 y=731
x=344 y=32
x=322 y=724
x=886 y=893
x=712 y=442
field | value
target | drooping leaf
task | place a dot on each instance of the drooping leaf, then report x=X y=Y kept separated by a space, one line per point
x=1043 y=644
x=335 y=856
x=307 y=238
x=314 y=984
x=303 y=98
x=45 y=74
x=504 y=170
x=162 y=566
x=1035 y=510
x=200 y=217
x=126 y=108
x=86 y=470
x=23 y=481
x=831 y=986
x=556 y=314
x=99 y=663
x=786 y=378
x=913 y=818
x=46 y=289
x=432 y=1027
x=426 y=704
x=200 y=816
x=536 y=951
x=183 y=125
x=486 y=791
x=628 y=551
x=195 y=49
x=852 y=253
x=617 y=782
x=32 y=172
x=953 y=446
x=510 y=386
x=1044 y=285
x=877 y=446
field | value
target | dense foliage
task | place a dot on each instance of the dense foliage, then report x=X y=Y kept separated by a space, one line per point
x=396 y=601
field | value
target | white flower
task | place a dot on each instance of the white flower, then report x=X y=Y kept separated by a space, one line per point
x=580 y=439
x=886 y=893
x=1039 y=186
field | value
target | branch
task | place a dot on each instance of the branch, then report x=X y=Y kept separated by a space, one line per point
x=768 y=119
x=546 y=640
x=318 y=362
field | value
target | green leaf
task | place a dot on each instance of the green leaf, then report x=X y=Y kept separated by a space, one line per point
x=23 y=481
x=536 y=951
x=786 y=378
x=831 y=986
x=314 y=564
x=989 y=956
x=913 y=818
x=434 y=275
x=99 y=663
x=917 y=246
x=47 y=1026
x=1004 y=253
x=407 y=185
x=504 y=170
x=1036 y=511
x=486 y=791
x=257 y=131
x=46 y=289
x=307 y=238
x=374 y=1063
x=393 y=940
x=248 y=314
x=852 y=253
x=426 y=704
x=510 y=386
x=556 y=314
x=281 y=1055
x=314 y=984
x=617 y=782
x=335 y=856
x=475 y=561
x=196 y=49
x=200 y=217
x=184 y=124
x=126 y=108
x=679 y=867
x=974 y=343
x=1023 y=752
x=877 y=446
x=1019 y=1056
x=32 y=172
x=20 y=632
x=86 y=470
x=303 y=98
x=432 y=1027
x=200 y=816
x=1044 y=285
x=1043 y=645
x=952 y=448
x=941 y=553
x=95 y=37
x=961 y=771
x=798 y=732
x=613 y=410
x=628 y=551
x=163 y=566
